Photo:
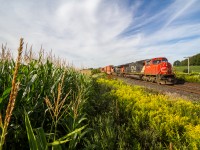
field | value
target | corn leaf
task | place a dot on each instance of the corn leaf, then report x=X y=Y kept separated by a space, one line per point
x=66 y=138
x=4 y=96
x=41 y=138
x=31 y=137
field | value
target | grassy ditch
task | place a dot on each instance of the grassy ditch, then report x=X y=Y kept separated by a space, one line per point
x=182 y=73
x=128 y=117
x=191 y=77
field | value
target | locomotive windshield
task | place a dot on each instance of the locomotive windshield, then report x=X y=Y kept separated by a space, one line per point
x=164 y=60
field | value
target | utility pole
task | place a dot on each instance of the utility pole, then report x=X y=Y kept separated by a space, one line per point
x=188 y=58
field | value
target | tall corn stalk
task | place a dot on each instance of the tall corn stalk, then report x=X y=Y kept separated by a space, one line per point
x=13 y=95
x=57 y=109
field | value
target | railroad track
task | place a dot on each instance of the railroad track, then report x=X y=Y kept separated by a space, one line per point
x=187 y=89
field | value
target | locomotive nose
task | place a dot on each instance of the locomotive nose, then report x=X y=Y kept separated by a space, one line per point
x=165 y=64
x=166 y=67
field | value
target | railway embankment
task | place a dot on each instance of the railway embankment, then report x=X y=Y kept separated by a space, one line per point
x=187 y=90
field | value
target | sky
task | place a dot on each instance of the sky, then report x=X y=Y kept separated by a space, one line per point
x=96 y=33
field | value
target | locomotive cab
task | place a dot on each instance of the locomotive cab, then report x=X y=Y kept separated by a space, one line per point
x=157 y=66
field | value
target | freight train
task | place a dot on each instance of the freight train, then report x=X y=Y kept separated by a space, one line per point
x=154 y=70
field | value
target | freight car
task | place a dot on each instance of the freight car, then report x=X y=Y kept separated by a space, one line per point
x=108 y=69
x=154 y=70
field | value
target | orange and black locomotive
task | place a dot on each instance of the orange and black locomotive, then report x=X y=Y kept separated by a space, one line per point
x=155 y=70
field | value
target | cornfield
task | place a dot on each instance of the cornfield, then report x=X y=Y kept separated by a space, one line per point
x=44 y=100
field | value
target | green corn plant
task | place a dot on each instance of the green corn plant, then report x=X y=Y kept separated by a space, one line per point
x=38 y=140
x=39 y=80
x=13 y=95
x=57 y=109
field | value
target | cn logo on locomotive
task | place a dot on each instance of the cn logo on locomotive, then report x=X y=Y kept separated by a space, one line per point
x=133 y=68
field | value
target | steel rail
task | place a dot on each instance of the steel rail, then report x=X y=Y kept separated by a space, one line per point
x=188 y=87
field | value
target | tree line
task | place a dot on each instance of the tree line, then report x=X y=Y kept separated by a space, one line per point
x=194 y=61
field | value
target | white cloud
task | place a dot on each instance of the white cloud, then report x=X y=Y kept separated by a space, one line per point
x=179 y=8
x=88 y=32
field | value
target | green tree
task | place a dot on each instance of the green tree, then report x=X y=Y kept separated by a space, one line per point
x=194 y=61
x=95 y=71
x=177 y=63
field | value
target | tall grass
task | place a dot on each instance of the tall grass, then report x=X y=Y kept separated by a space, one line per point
x=182 y=75
x=191 y=77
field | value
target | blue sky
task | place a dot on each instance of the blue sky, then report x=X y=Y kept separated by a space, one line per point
x=95 y=33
